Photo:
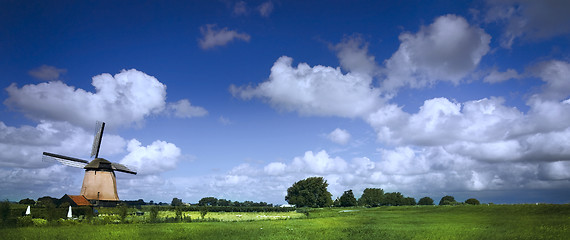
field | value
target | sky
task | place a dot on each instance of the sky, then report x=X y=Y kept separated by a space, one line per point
x=240 y=99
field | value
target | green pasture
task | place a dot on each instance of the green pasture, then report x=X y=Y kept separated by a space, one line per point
x=413 y=222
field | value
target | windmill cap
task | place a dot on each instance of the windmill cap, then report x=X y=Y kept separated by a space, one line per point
x=99 y=164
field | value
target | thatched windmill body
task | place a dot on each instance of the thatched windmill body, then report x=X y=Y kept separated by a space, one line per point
x=99 y=182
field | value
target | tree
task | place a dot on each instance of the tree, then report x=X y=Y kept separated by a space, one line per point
x=447 y=200
x=203 y=211
x=393 y=199
x=27 y=201
x=425 y=201
x=336 y=202
x=153 y=214
x=371 y=197
x=47 y=201
x=123 y=211
x=224 y=202
x=176 y=202
x=409 y=201
x=472 y=201
x=208 y=201
x=310 y=192
x=4 y=210
x=347 y=199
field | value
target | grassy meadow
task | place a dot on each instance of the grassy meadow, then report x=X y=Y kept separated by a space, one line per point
x=413 y=222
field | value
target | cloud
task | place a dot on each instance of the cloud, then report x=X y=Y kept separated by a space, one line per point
x=559 y=170
x=159 y=156
x=556 y=76
x=123 y=99
x=339 y=136
x=497 y=77
x=318 y=163
x=22 y=147
x=446 y=50
x=353 y=55
x=224 y=121
x=240 y=8
x=265 y=9
x=183 y=109
x=482 y=130
x=47 y=73
x=213 y=37
x=412 y=171
x=527 y=19
x=318 y=90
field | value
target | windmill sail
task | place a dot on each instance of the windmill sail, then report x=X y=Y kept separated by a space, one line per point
x=122 y=168
x=65 y=160
x=100 y=126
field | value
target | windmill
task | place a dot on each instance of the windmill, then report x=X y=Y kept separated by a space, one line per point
x=99 y=183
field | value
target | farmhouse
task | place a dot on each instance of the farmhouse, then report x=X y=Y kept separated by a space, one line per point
x=75 y=200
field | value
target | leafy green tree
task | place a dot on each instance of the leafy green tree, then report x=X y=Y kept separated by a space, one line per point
x=409 y=201
x=425 y=201
x=4 y=210
x=208 y=201
x=203 y=211
x=447 y=200
x=27 y=201
x=310 y=192
x=336 y=202
x=347 y=199
x=178 y=211
x=224 y=202
x=153 y=214
x=472 y=201
x=176 y=202
x=123 y=211
x=46 y=201
x=393 y=199
x=372 y=197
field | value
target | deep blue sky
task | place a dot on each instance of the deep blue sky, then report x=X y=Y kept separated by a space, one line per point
x=239 y=99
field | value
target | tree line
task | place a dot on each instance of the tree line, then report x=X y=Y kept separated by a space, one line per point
x=312 y=192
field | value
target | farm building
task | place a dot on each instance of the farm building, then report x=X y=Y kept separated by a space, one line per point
x=75 y=200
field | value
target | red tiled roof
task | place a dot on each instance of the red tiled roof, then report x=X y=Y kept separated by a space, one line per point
x=80 y=200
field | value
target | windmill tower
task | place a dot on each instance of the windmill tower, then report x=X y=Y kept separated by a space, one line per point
x=99 y=182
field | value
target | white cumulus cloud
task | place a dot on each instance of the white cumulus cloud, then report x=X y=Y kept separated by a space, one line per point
x=184 y=109
x=157 y=157
x=446 y=50
x=318 y=90
x=339 y=136
x=123 y=99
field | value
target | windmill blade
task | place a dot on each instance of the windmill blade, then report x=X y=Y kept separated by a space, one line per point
x=122 y=168
x=99 y=127
x=65 y=160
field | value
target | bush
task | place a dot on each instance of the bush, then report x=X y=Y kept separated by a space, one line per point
x=153 y=214
x=472 y=201
x=39 y=221
x=25 y=221
x=123 y=211
x=66 y=222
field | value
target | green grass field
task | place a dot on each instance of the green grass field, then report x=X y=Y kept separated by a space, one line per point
x=418 y=222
